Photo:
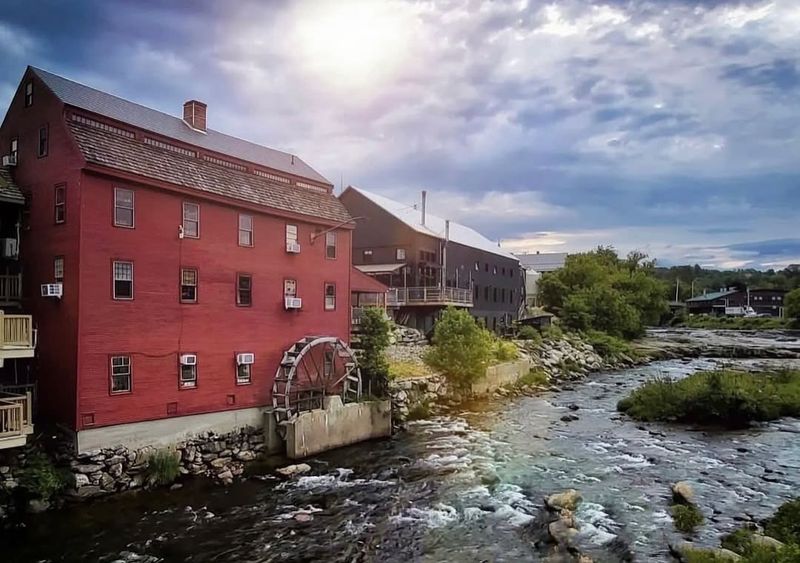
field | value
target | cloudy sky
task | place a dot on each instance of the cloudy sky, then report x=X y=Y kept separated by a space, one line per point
x=669 y=126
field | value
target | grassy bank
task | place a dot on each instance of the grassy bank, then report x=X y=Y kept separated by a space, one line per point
x=733 y=323
x=724 y=397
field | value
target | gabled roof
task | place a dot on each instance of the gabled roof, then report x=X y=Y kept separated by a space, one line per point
x=544 y=262
x=434 y=226
x=711 y=296
x=129 y=155
x=80 y=96
x=9 y=192
x=362 y=283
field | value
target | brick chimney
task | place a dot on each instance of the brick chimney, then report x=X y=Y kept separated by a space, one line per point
x=194 y=113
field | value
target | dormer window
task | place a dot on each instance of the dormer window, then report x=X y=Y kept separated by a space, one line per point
x=29 y=94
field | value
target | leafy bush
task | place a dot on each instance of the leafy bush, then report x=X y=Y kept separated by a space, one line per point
x=733 y=323
x=536 y=377
x=419 y=411
x=39 y=478
x=461 y=348
x=725 y=397
x=552 y=333
x=686 y=517
x=504 y=351
x=373 y=340
x=526 y=332
x=163 y=467
x=792 y=305
x=785 y=525
x=738 y=541
x=609 y=347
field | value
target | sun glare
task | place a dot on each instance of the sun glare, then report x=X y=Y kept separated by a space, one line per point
x=351 y=43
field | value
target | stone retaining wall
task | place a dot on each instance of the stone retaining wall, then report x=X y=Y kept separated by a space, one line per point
x=501 y=375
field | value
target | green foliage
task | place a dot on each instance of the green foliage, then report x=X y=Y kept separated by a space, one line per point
x=403 y=369
x=504 y=351
x=536 y=377
x=791 y=305
x=163 y=467
x=552 y=333
x=785 y=525
x=686 y=517
x=732 y=323
x=712 y=280
x=39 y=478
x=599 y=291
x=610 y=348
x=461 y=348
x=526 y=332
x=738 y=541
x=420 y=411
x=373 y=340
x=725 y=397
x=755 y=554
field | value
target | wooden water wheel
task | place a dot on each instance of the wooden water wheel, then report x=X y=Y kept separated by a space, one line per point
x=312 y=369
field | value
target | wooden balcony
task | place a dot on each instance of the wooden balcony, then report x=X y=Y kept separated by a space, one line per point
x=17 y=337
x=16 y=419
x=432 y=296
x=10 y=288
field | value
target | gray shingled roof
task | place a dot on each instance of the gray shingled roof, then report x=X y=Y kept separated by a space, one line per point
x=9 y=191
x=80 y=96
x=129 y=155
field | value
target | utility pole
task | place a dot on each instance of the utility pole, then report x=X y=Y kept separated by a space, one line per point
x=677 y=288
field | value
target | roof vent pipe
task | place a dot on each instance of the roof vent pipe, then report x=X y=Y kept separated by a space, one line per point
x=424 y=202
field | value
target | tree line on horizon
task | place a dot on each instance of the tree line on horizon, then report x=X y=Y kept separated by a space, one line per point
x=695 y=280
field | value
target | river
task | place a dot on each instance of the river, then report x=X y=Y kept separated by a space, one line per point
x=458 y=488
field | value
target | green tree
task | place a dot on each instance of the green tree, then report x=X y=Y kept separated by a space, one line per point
x=792 y=305
x=373 y=340
x=461 y=347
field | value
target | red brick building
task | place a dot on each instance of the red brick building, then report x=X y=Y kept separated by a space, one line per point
x=176 y=246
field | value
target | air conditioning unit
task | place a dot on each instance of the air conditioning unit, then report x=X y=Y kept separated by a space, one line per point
x=9 y=248
x=52 y=290
x=293 y=247
x=245 y=359
x=293 y=302
x=10 y=160
x=188 y=359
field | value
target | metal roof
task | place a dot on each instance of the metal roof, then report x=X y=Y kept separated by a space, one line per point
x=9 y=192
x=84 y=97
x=379 y=268
x=543 y=262
x=711 y=296
x=434 y=226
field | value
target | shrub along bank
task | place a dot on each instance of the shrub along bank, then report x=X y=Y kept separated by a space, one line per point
x=723 y=397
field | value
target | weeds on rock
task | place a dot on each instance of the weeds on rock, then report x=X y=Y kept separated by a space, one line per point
x=686 y=517
x=163 y=467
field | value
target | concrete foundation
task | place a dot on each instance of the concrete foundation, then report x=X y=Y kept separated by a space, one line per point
x=168 y=431
x=337 y=425
x=497 y=376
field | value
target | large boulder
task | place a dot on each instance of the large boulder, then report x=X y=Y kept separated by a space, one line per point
x=682 y=493
x=766 y=541
x=292 y=470
x=568 y=499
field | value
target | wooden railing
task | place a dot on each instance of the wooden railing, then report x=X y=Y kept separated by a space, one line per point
x=10 y=287
x=16 y=416
x=399 y=296
x=16 y=331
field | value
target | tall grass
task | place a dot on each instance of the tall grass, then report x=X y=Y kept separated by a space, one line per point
x=723 y=397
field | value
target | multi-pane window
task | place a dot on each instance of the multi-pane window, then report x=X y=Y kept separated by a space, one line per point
x=123 y=208
x=244 y=373
x=244 y=290
x=13 y=149
x=29 y=94
x=245 y=230
x=123 y=280
x=58 y=269
x=290 y=288
x=42 y=147
x=330 y=297
x=60 y=203
x=330 y=245
x=188 y=285
x=121 y=374
x=291 y=234
x=191 y=220
x=188 y=376
x=400 y=254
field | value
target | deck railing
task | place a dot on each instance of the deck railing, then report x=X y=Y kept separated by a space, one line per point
x=10 y=287
x=17 y=331
x=399 y=296
x=16 y=416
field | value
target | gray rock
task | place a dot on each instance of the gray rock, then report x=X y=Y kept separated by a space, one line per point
x=86 y=468
x=220 y=462
x=292 y=470
x=37 y=505
x=682 y=493
x=245 y=455
x=567 y=499
x=81 y=480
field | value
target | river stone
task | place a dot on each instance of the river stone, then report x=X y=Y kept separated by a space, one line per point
x=86 y=468
x=561 y=533
x=292 y=470
x=245 y=455
x=220 y=462
x=568 y=499
x=682 y=493
x=81 y=480
x=766 y=541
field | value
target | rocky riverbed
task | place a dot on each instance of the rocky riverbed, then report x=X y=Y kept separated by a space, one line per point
x=466 y=486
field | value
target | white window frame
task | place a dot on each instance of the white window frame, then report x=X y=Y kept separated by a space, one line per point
x=60 y=206
x=400 y=254
x=114 y=279
x=291 y=233
x=118 y=365
x=290 y=287
x=330 y=300
x=184 y=220
x=330 y=244
x=29 y=94
x=195 y=285
x=118 y=205
x=246 y=231
x=248 y=369
x=58 y=269
x=187 y=383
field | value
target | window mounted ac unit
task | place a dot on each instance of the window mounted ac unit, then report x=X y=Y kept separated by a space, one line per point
x=293 y=247
x=293 y=302
x=9 y=160
x=245 y=359
x=52 y=290
x=188 y=359
x=9 y=248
